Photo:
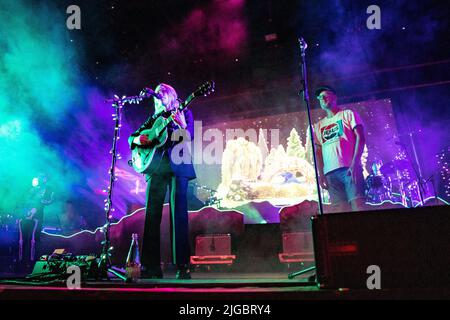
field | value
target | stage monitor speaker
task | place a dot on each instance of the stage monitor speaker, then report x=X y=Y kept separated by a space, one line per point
x=411 y=248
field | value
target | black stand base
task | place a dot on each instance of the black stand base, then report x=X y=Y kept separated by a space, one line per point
x=104 y=269
x=118 y=274
x=298 y=273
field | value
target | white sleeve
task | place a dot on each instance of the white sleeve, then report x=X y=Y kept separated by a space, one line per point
x=316 y=134
x=353 y=119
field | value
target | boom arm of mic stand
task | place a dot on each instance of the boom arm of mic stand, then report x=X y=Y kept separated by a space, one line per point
x=125 y=99
x=146 y=93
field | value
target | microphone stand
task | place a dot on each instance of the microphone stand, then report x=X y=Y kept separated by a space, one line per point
x=104 y=263
x=416 y=168
x=304 y=91
x=418 y=173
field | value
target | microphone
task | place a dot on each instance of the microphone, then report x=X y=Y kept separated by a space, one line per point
x=150 y=92
x=303 y=44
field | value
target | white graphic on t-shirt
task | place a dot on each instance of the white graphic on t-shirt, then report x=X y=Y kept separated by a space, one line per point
x=332 y=132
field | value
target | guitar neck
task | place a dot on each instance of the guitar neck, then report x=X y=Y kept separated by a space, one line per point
x=186 y=102
x=182 y=106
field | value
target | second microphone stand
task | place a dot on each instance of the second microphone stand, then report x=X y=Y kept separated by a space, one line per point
x=304 y=92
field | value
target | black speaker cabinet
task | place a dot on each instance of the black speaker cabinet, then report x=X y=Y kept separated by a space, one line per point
x=411 y=248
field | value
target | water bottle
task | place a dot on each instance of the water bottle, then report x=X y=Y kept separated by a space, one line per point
x=133 y=263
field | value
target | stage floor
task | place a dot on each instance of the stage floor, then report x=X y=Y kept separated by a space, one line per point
x=210 y=286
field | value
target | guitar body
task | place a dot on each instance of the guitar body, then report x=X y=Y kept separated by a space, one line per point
x=146 y=159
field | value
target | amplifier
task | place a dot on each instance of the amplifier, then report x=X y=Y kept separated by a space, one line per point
x=213 y=249
x=212 y=245
x=297 y=247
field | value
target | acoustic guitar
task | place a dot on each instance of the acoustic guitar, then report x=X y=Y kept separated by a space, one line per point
x=146 y=159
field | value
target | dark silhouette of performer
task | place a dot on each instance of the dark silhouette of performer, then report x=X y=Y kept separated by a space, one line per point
x=30 y=226
x=170 y=174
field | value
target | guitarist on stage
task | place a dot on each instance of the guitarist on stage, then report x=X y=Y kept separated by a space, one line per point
x=170 y=174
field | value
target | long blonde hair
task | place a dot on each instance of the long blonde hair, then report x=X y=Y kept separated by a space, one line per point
x=168 y=93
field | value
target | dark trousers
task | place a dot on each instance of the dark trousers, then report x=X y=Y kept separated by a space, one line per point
x=29 y=250
x=179 y=229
